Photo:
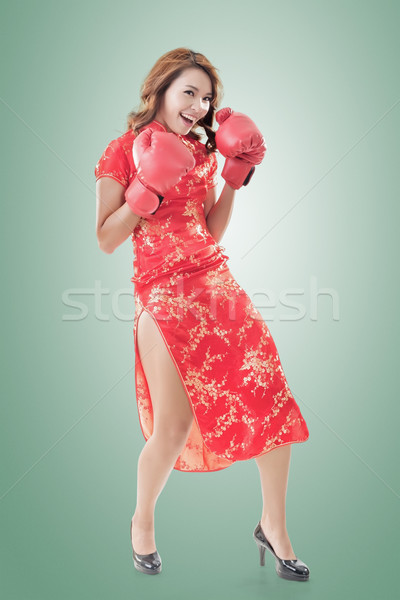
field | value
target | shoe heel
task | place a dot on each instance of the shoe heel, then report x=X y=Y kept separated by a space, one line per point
x=293 y=568
x=146 y=563
x=262 y=554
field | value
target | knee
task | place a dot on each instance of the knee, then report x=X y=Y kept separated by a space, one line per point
x=173 y=434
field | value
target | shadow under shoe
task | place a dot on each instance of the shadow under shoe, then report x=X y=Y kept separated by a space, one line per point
x=293 y=569
x=146 y=563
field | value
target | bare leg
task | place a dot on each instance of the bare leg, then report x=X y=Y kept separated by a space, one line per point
x=172 y=414
x=274 y=473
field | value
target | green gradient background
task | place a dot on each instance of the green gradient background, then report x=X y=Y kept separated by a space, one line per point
x=321 y=81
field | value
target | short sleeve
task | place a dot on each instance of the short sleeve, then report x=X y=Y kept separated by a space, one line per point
x=114 y=163
x=212 y=178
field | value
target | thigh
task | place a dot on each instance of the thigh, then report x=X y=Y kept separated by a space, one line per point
x=171 y=405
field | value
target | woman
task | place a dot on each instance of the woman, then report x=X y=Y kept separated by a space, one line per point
x=210 y=387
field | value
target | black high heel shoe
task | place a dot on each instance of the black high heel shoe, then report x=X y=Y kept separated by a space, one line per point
x=294 y=570
x=146 y=563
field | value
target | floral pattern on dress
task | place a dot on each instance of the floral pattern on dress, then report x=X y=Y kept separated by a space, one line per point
x=224 y=353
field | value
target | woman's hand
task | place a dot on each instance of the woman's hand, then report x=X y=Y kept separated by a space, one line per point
x=242 y=144
x=161 y=160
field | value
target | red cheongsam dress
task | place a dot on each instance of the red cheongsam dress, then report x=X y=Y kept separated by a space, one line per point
x=222 y=349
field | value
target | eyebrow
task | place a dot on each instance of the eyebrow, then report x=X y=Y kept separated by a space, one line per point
x=197 y=89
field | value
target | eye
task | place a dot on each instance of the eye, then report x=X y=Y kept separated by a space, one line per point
x=207 y=98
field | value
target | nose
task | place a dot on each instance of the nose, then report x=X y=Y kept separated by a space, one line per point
x=198 y=106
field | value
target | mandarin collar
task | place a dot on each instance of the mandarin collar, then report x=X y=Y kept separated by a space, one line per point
x=156 y=125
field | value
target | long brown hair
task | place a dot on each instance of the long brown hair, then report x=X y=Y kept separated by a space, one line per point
x=168 y=68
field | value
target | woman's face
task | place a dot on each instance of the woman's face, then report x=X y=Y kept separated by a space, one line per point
x=190 y=95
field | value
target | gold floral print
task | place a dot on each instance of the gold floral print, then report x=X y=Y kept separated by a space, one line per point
x=223 y=351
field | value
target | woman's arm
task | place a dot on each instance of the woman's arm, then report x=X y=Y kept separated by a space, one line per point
x=219 y=214
x=115 y=221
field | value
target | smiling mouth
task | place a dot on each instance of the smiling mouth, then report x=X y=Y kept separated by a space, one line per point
x=187 y=121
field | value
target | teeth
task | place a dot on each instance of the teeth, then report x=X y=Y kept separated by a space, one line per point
x=188 y=117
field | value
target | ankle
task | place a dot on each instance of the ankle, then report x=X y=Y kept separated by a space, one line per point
x=273 y=526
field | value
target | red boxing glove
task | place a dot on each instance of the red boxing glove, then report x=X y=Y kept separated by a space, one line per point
x=161 y=160
x=242 y=144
